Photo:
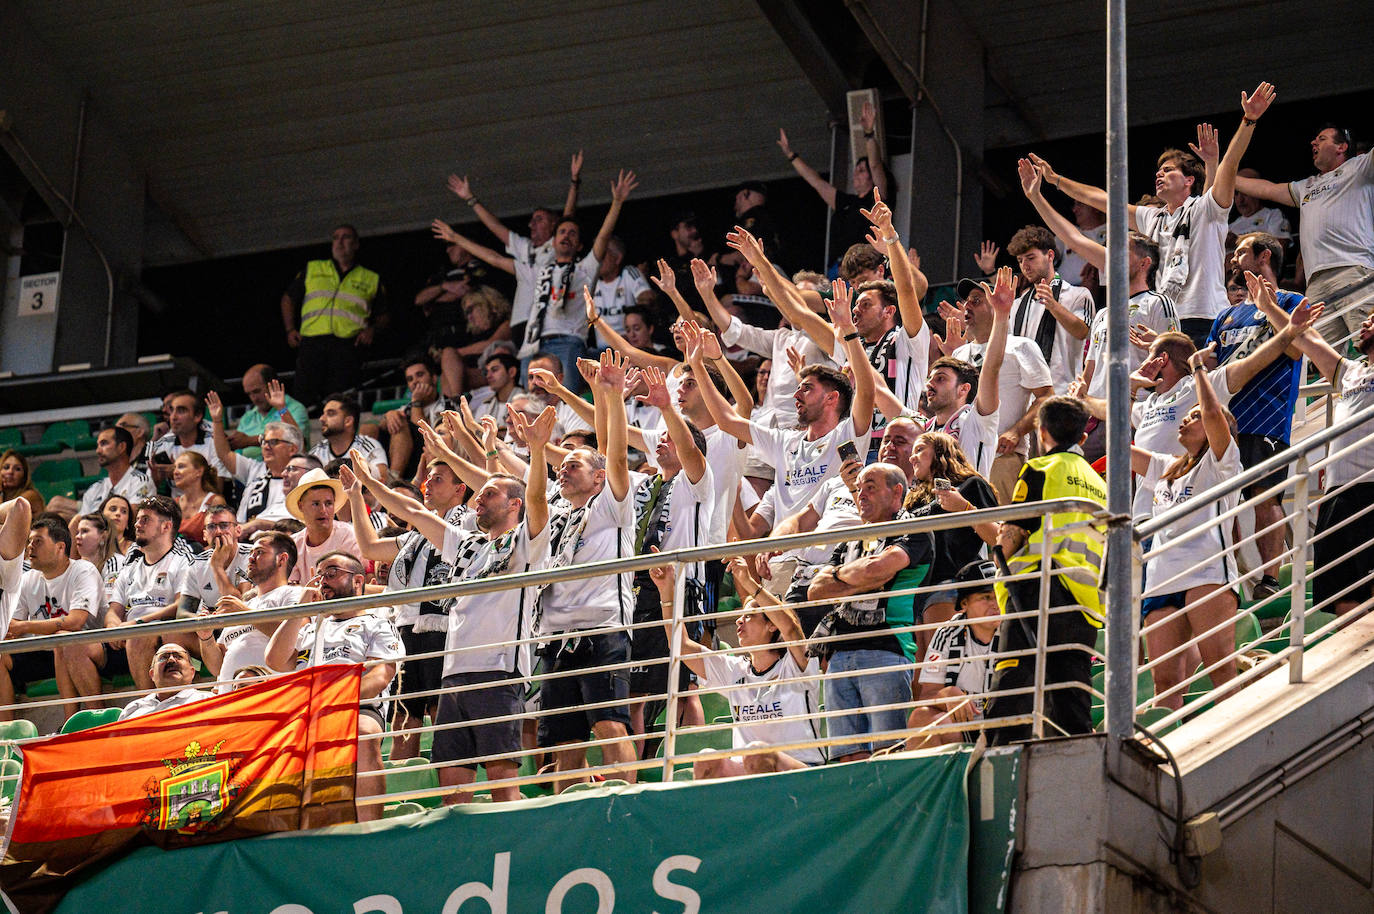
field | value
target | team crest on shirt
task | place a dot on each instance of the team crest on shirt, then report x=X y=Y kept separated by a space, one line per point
x=196 y=790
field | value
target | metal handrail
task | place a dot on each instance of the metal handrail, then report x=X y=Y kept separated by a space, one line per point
x=573 y=572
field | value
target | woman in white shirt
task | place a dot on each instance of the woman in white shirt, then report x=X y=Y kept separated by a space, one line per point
x=768 y=710
x=1189 y=589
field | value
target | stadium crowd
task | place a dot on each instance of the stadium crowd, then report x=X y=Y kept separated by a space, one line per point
x=598 y=414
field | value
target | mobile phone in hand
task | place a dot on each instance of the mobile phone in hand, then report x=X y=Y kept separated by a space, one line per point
x=847 y=451
x=942 y=484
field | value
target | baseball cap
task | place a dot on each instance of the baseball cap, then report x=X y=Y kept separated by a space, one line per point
x=967 y=287
x=983 y=571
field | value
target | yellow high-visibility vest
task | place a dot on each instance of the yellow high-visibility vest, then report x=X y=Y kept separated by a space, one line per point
x=1062 y=474
x=336 y=305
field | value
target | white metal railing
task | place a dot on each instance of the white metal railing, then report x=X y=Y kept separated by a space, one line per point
x=1302 y=497
x=672 y=756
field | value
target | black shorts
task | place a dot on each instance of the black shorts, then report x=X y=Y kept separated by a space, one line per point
x=31 y=666
x=116 y=663
x=421 y=675
x=581 y=653
x=1197 y=329
x=1254 y=450
x=1335 y=576
x=649 y=647
x=503 y=697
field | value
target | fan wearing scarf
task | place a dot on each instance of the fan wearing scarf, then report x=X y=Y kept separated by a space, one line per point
x=594 y=521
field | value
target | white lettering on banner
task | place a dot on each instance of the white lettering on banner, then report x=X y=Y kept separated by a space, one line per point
x=38 y=294
x=690 y=900
x=587 y=875
x=496 y=894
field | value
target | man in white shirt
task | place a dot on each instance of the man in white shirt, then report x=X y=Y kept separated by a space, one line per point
x=114 y=451
x=1056 y=315
x=1023 y=383
x=502 y=371
x=264 y=486
x=593 y=521
x=1190 y=228
x=828 y=410
x=1336 y=231
x=354 y=636
x=171 y=673
x=57 y=594
x=235 y=647
x=147 y=587
x=963 y=401
x=414 y=561
x=339 y=431
x=422 y=383
x=187 y=432
x=221 y=569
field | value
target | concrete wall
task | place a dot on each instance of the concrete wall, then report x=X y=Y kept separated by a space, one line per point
x=43 y=105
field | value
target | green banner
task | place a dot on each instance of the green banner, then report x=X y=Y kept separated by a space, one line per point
x=885 y=835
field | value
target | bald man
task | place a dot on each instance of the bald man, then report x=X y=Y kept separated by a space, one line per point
x=270 y=404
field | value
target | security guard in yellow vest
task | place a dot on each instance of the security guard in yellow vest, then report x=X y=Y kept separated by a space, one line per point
x=1060 y=473
x=329 y=312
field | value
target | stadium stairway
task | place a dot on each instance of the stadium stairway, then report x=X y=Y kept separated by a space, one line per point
x=1277 y=803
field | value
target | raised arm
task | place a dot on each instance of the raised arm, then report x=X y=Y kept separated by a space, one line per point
x=712 y=352
x=634 y=355
x=1064 y=230
x=609 y=388
x=621 y=187
x=1252 y=108
x=841 y=314
x=574 y=184
x=443 y=231
x=1095 y=197
x=693 y=461
x=665 y=581
x=809 y=175
x=471 y=475
x=536 y=434
x=1001 y=297
x=868 y=118
x=704 y=278
x=215 y=407
x=397 y=504
x=666 y=280
x=463 y=188
x=781 y=617
x=903 y=276
x=724 y=415
x=14 y=533
x=1242 y=372
x=373 y=546
x=1213 y=415
x=1265 y=190
x=782 y=292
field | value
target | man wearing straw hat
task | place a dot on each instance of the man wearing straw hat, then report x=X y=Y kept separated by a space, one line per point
x=312 y=502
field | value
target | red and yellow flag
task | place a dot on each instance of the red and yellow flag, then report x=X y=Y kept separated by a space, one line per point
x=277 y=755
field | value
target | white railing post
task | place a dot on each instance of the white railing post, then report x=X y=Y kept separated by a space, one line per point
x=1042 y=624
x=1297 y=586
x=674 y=658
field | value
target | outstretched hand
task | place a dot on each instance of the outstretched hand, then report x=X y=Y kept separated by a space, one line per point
x=214 y=406
x=666 y=280
x=610 y=373
x=443 y=231
x=840 y=308
x=656 y=393
x=1206 y=148
x=880 y=215
x=986 y=258
x=460 y=186
x=621 y=187
x=1030 y=182
x=1258 y=103
x=1003 y=294
x=590 y=303
x=785 y=146
x=703 y=276
x=1048 y=174
x=1305 y=315
x=537 y=431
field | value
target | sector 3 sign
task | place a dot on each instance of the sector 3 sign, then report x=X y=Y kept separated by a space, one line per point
x=38 y=294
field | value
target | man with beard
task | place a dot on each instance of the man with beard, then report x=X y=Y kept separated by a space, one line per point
x=270 y=559
x=339 y=429
x=147 y=587
x=354 y=636
x=186 y=432
x=114 y=451
x=264 y=484
x=414 y=562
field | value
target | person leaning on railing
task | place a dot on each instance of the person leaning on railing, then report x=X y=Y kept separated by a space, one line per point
x=766 y=710
x=1060 y=472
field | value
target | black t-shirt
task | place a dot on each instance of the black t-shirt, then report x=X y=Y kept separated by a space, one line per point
x=847 y=226
x=957 y=547
x=899 y=610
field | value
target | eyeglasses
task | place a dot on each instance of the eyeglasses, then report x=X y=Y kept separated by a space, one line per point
x=213 y=528
x=334 y=571
x=273 y=442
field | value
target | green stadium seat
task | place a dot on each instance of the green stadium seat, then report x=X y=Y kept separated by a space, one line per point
x=16 y=730
x=409 y=807
x=64 y=468
x=85 y=719
x=403 y=776
x=74 y=433
x=1248 y=632
x=51 y=489
x=10 y=771
x=11 y=438
x=385 y=406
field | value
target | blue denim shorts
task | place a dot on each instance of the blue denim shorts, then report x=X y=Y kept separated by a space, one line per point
x=854 y=692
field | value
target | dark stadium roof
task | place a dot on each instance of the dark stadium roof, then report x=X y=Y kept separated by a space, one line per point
x=260 y=124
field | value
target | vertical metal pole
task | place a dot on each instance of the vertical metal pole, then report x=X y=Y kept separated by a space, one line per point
x=1120 y=627
x=674 y=658
x=834 y=139
x=1297 y=588
x=1042 y=629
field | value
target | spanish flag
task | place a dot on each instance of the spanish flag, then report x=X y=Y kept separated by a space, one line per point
x=277 y=755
